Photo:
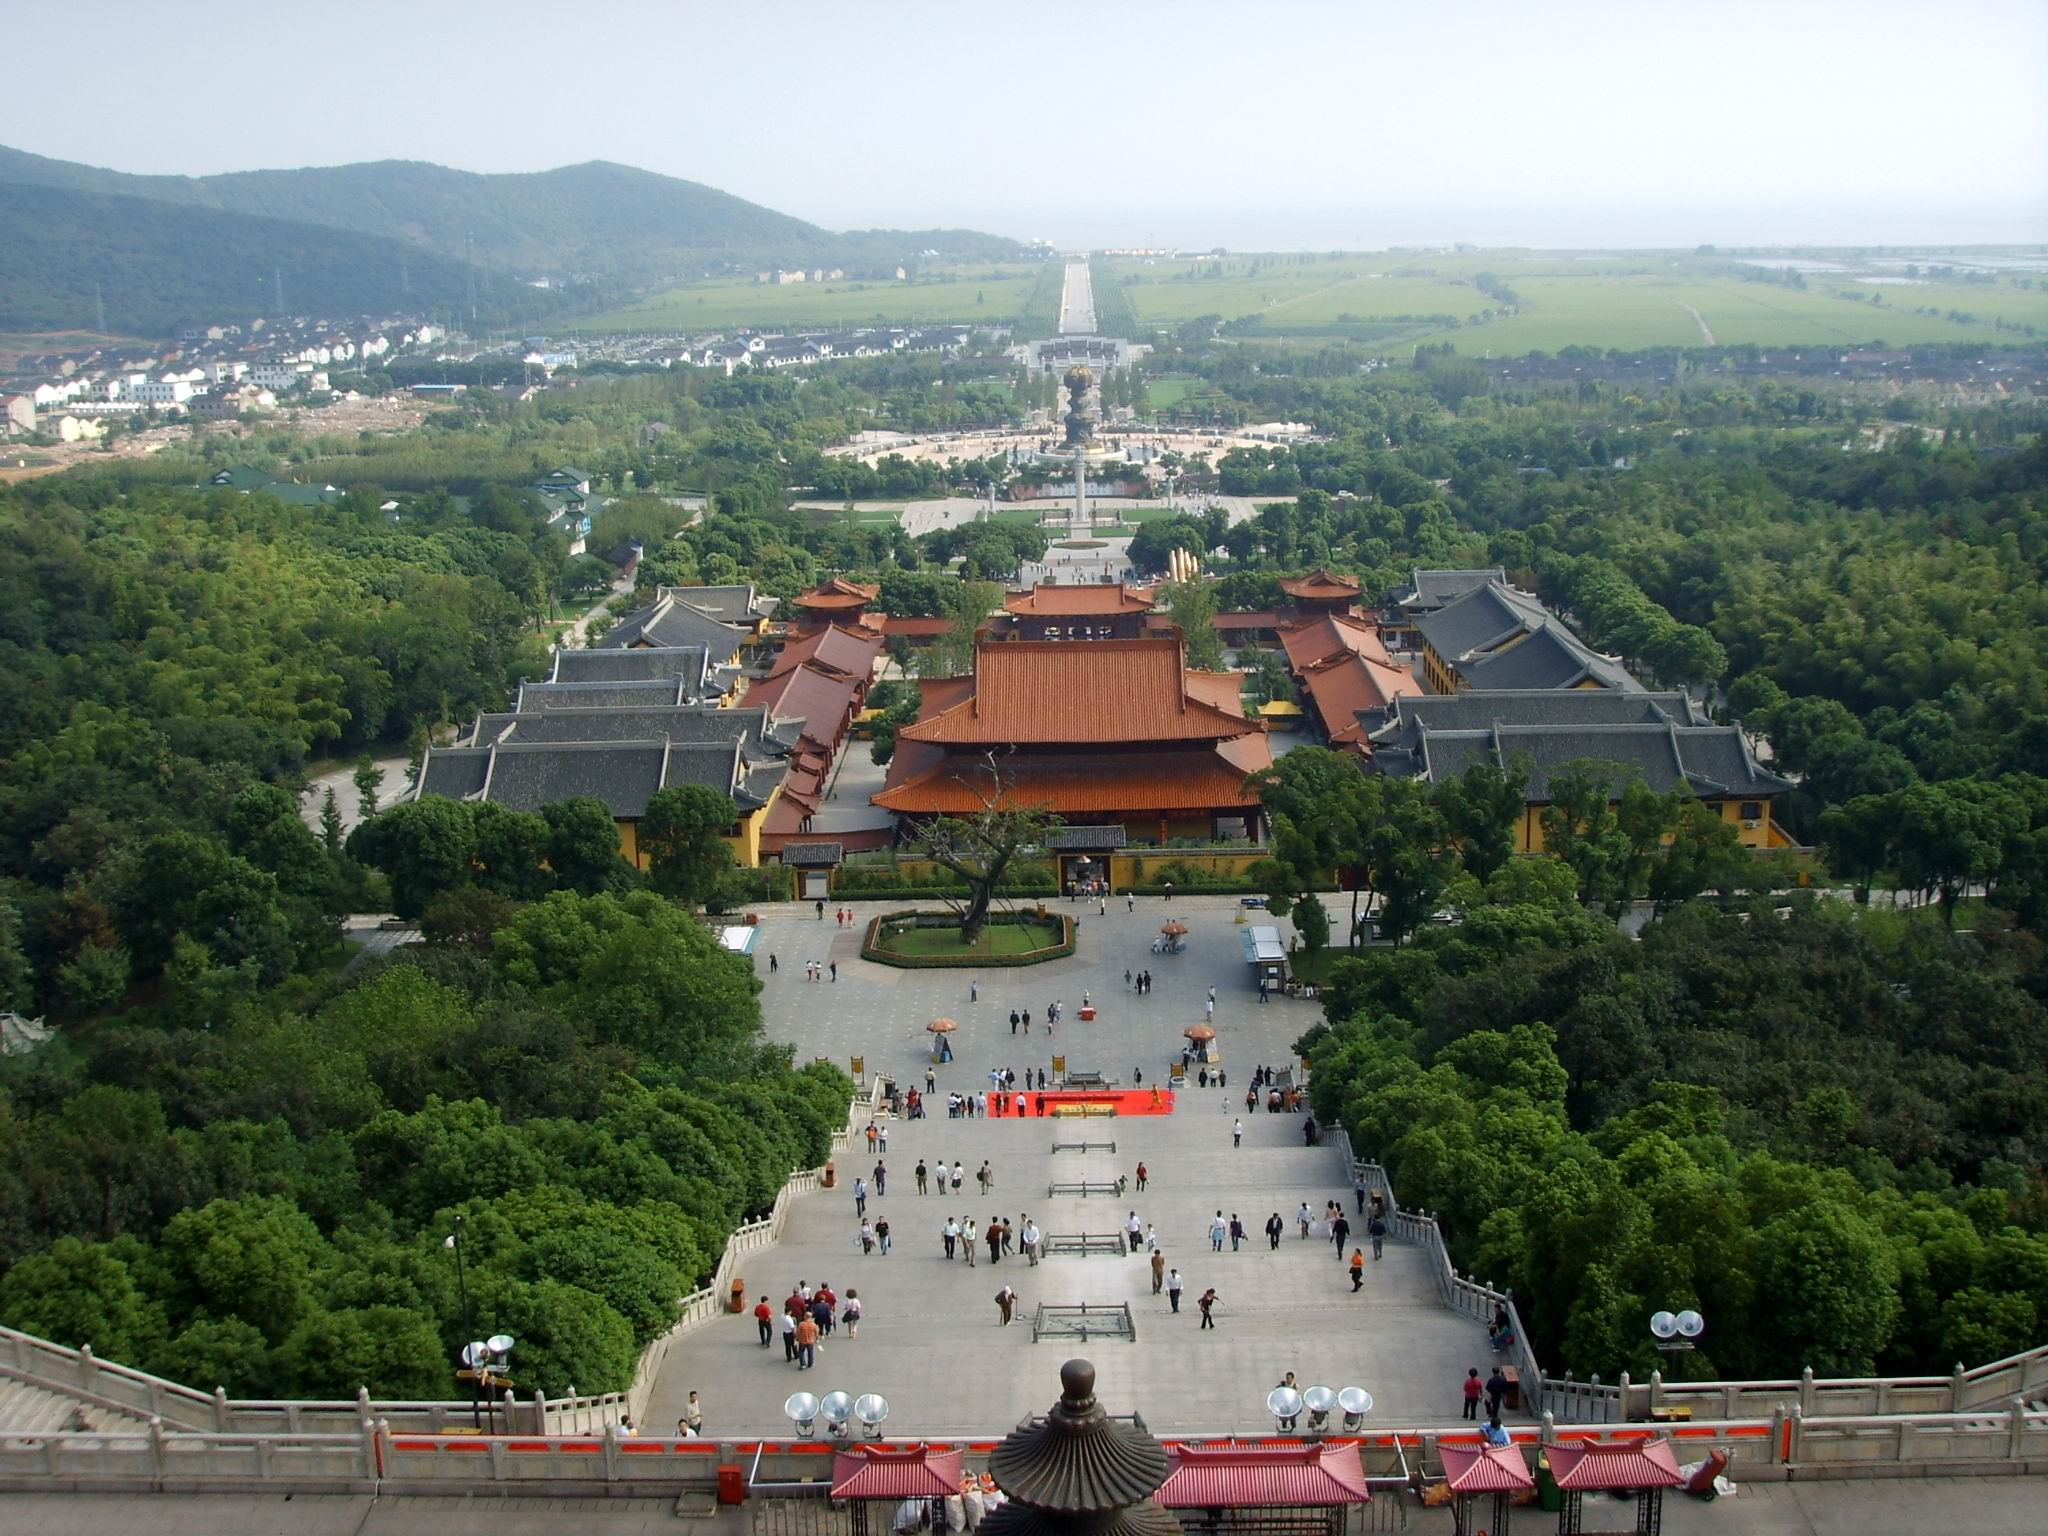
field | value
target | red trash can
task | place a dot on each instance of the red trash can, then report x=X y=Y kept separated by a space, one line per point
x=732 y=1484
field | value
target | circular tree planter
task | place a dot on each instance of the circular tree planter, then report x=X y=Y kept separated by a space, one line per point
x=921 y=940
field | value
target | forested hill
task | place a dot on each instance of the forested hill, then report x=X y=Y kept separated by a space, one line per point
x=613 y=223
x=157 y=266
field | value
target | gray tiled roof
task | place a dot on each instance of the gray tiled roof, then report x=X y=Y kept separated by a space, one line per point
x=457 y=772
x=621 y=774
x=1552 y=657
x=1482 y=709
x=1480 y=620
x=1709 y=759
x=811 y=855
x=670 y=622
x=689 y=662
x=1430 y=590
x=602 y=695
x=675 y=722
x=737 y=604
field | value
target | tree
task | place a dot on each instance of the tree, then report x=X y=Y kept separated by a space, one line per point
x=968 y=606
x=466 y=916
x=901 y=703
x=369 y=778
x=981 y=848
x=583 y=845
x=683 y=832
x=423 y=846
x=1581 y=828
x=332 y=833
x=79 y=1293
x=1312 y=922
x=17 y=979
x=1483 y=807
x=1705 y=854
x=1407 y=847
x=1951 y=835
x=1193 y=607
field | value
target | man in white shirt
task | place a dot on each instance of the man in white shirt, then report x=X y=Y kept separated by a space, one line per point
x=1029 y=1237
x=1218 y=1230
x=1133 y=1230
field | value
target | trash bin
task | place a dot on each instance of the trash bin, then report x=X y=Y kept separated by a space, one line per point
x=831 y=1177
x=1547 y=1495
x=732 y=1485
x=737 y=1301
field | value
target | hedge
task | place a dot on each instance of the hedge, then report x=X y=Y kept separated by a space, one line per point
x=1057 y=951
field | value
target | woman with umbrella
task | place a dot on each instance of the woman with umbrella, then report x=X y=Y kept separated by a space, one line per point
x=938 y=1029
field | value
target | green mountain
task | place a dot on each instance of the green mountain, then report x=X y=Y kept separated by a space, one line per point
x=609 y=225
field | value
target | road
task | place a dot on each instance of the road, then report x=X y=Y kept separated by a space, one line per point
x=1077 y=301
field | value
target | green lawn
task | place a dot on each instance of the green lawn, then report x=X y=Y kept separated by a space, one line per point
x=994 y=939
x=990 y=292
x=1143 y=514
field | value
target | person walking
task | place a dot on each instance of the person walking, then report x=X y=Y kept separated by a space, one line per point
x=1142 y=1176
x=1340 y=1229
x=951 y=1234
x=1358 y=1192
x=1306 y=1221
x=806 y=1344
x=882 y=1237
x=835 y=970
x=764 y=1318
x=922 y=1174
x=1273 y=1230
x=1357 y=1268
x=873 y=1133
x=1133 y=1231
x=867 y=1237
x=931 y=1080
x=1474 y=1389
x=1158 y=1270
x=881 y=1180
x=860 y=1197
x=1207 y=1301
x=1208 y=1009
x=1013 y=1021
x=1029 y=1236
x=994 y=1238
x=974 y=991
x=1151 y=1239
x=1377 y=1229
x=968 y=1234
x=1496 y=1392
x=1236 y=1232
x=1173 y=1289
x=851 y=1315
x=1130 y=902
x=693 y=1415
x=1237 y=1133
x=1006 y=1306
x=959 y=1177
x=985 y=1176
x=788 y=1335
x=1218 y=1230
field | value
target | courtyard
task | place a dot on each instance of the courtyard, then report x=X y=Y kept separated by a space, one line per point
x=930 y=1339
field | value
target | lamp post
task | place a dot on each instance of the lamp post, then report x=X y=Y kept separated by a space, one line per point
x=454 y=1241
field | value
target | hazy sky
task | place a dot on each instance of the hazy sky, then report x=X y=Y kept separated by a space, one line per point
x=1253 y=124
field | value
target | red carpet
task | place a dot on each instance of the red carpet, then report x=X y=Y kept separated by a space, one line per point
x=1121 y=1101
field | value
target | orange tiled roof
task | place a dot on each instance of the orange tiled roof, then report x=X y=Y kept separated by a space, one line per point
x=915 y=624
x=1320 y=583
x=838 y=593
x=1313 y=640
x=1225 y=690
x=1341 y=685
x=1079 y=601
x=852 y=651
x=1105 y=691
x=936 y=783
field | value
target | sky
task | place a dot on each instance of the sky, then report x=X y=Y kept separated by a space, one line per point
x=1274 y=125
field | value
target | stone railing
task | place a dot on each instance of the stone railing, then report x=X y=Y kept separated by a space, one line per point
x=378 y=1458
x=701 y=1306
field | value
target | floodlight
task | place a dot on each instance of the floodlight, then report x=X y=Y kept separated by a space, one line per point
x=871 y=1408
x=837 y=1408
x=1690 y=1323
x=476 y=1353
x=1320 y=1401
x=1284 y=1403
x=801 y=1409
x=1356 y=1403
x=499 y=1343
x=1663 y=1324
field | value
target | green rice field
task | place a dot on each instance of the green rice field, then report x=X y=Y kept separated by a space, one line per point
x=1626 y=301
x=990 y=292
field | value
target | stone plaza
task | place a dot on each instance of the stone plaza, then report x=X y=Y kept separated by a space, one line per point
x=930 y=1339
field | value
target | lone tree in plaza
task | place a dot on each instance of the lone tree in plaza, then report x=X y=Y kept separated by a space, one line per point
x=981 y=848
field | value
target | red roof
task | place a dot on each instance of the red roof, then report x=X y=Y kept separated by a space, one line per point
x=821 y=698
x=1248 y=1476
x=1107 y=692
x=1321 y=583
x=1342 y=686
x=1330 y=634
x=1258 y=618
x=927 y=780
x=913 y=624
x=1485 y=1468
x=1079 y=601
x=838 y=593
x=895 y=1472
x=1582 y=1466
x=852 y=651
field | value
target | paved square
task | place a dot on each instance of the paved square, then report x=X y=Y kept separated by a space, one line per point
x=930 y=1339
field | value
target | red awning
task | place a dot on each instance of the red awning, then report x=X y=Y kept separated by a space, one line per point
x=1242 y=1476
x=895 y=1472
x=1583 y=1467
x=1485 y=1468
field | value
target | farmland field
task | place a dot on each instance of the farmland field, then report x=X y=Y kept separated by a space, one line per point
x=1627 y=301
x=989 y=292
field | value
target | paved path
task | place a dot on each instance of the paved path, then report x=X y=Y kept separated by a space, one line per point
x=931 y=1343
x=1077 y=300
x=342 y=780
